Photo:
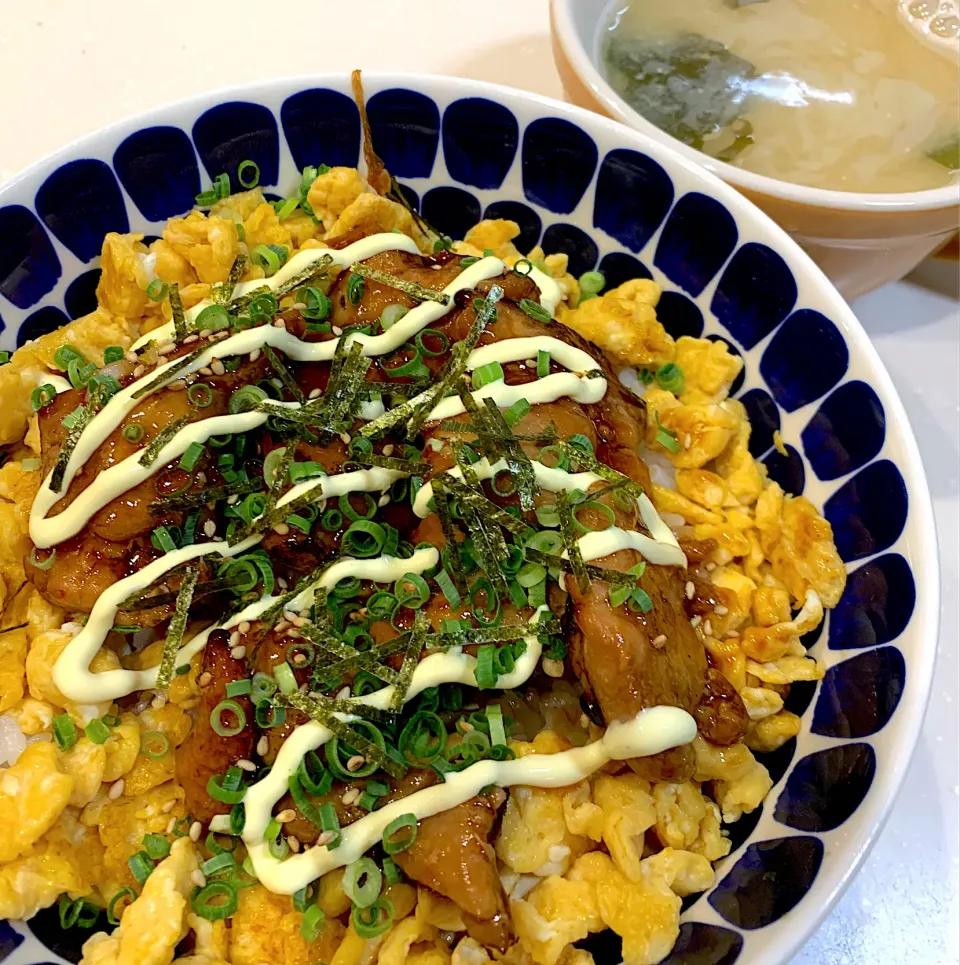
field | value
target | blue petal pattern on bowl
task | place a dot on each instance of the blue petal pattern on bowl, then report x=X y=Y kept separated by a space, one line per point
x=605 y=204
x=876 y=605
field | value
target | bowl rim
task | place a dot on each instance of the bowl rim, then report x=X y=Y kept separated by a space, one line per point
x=796 y=929
x=572 y=45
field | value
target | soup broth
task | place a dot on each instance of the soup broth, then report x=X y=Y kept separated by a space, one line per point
x=836 y=94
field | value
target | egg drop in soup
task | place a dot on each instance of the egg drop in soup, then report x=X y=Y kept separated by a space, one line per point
x=838 y=94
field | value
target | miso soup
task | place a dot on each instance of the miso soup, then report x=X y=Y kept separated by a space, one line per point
x=838 y=94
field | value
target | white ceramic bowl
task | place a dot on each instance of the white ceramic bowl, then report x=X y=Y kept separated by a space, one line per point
x=612 y=197
x=860 y=240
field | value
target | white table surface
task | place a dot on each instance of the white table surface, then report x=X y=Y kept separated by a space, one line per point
x=68 y=67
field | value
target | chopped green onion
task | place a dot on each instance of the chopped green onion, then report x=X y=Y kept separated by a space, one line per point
x=269 y=258
x=286 y=681
x=268 y=714
x=391 y=872
x=535 y=310
x=216 y=718
x=218 y=787
x=248 y=174
x=373 y=921
x=45 y=563
x=543 y=363
x=219 y=862
x=526 y=263
x=157 y=290
x=667 y=437
x=191 y=456
x=312 y=924
x=486 y=374
x=411 y=591
x=516 y=412
x=80 y=912
x=112 y=353
x=391 y=315
x=212 y=319
x=363 y=539
x=216 y=900
x=362 y=879
x=303 y=470
x=239 y=688
x=355 y=288
x=97 y=731
x=263 y=686
x=133 y=433
x=330 y=824
x=42 y=395
x=400 y=834
x=140 y=866
x=156 y=846
x=591 y=283
x=64 y=732
x=498 y=734
x=286 y=208
x=155 y=744
x=245 y=399
x=670 y=378
x=640 y=601
x=485 y=673
x=318 y=305
x=112 y=917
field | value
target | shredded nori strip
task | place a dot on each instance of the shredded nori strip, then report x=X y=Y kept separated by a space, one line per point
x=165 y=599
x=410 y=660
x=518 y=462
x=86 y=414
x=454 y=563
x=285 y=377
x=170 y=374
x=345 y=654
x=590 y=462
x=480 y=635
x=152 y=451
x=212 y=494
x=176 y=307
x=411 y=288
x=296 y=281
x=270 y=616
x=318 y=709
x=273 y=515
x=178 y=623
x=552 y=560
x=478 y=501
x=225 y=291
x=568 y=533
x=391 y=462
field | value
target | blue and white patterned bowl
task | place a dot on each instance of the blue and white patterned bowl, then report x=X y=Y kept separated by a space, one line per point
x=611 y=199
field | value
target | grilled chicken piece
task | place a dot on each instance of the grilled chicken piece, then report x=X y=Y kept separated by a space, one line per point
x=453 y=856
x=205 y=753
x=721 y=715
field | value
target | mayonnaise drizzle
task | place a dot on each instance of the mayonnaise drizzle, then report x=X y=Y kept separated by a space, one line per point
x=71 y=672
x=46 y=533
x=650 y=732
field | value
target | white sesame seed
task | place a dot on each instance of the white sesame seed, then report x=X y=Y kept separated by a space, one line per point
x=205 y=332
x=343 y=693
x=158 y=702
x=530 y=362
x=254 y=355
x=205 y=678
x=202 y=478
x=351 y=795
x=356 y=762
x=384 y=500
x=209 y=528
x=696 y=620
x=708 y=628
x=139 y=370
x=131 y=357
x=282 y=583
x=263 y=745
x=171 y=824
x=326 y=837
x=584 y=721
x=246 y=765
x=336 y=330
x=659 y=642
x=169 y=806
x=552 y=668
x=294 y=843
x=345 y=438
x=281 y=529
x=689 y=589
x=290 y=616
x=314 y=394
x=166 y=348
x=286 y=816
x=235 y=638
x=687 y=441
x=206 y=370
x=299 y=658
x=244 y=627
x=116 y=790
x=218 y=367
x=721 y=611
x=197 y=877
x=190 y=339
x=232 y=500
x=238 y=653
x=733 y=634
x=279 y=323
x=388 y=449
x=710 y=567
x=178 y=385
x=304 y=615
x=281 y=626
x=195 y=830
x=219 y=335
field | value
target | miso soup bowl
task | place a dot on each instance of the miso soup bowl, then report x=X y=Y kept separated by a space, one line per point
x=861 y=241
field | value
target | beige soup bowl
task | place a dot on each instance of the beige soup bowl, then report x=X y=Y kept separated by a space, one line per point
x=861 y=241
